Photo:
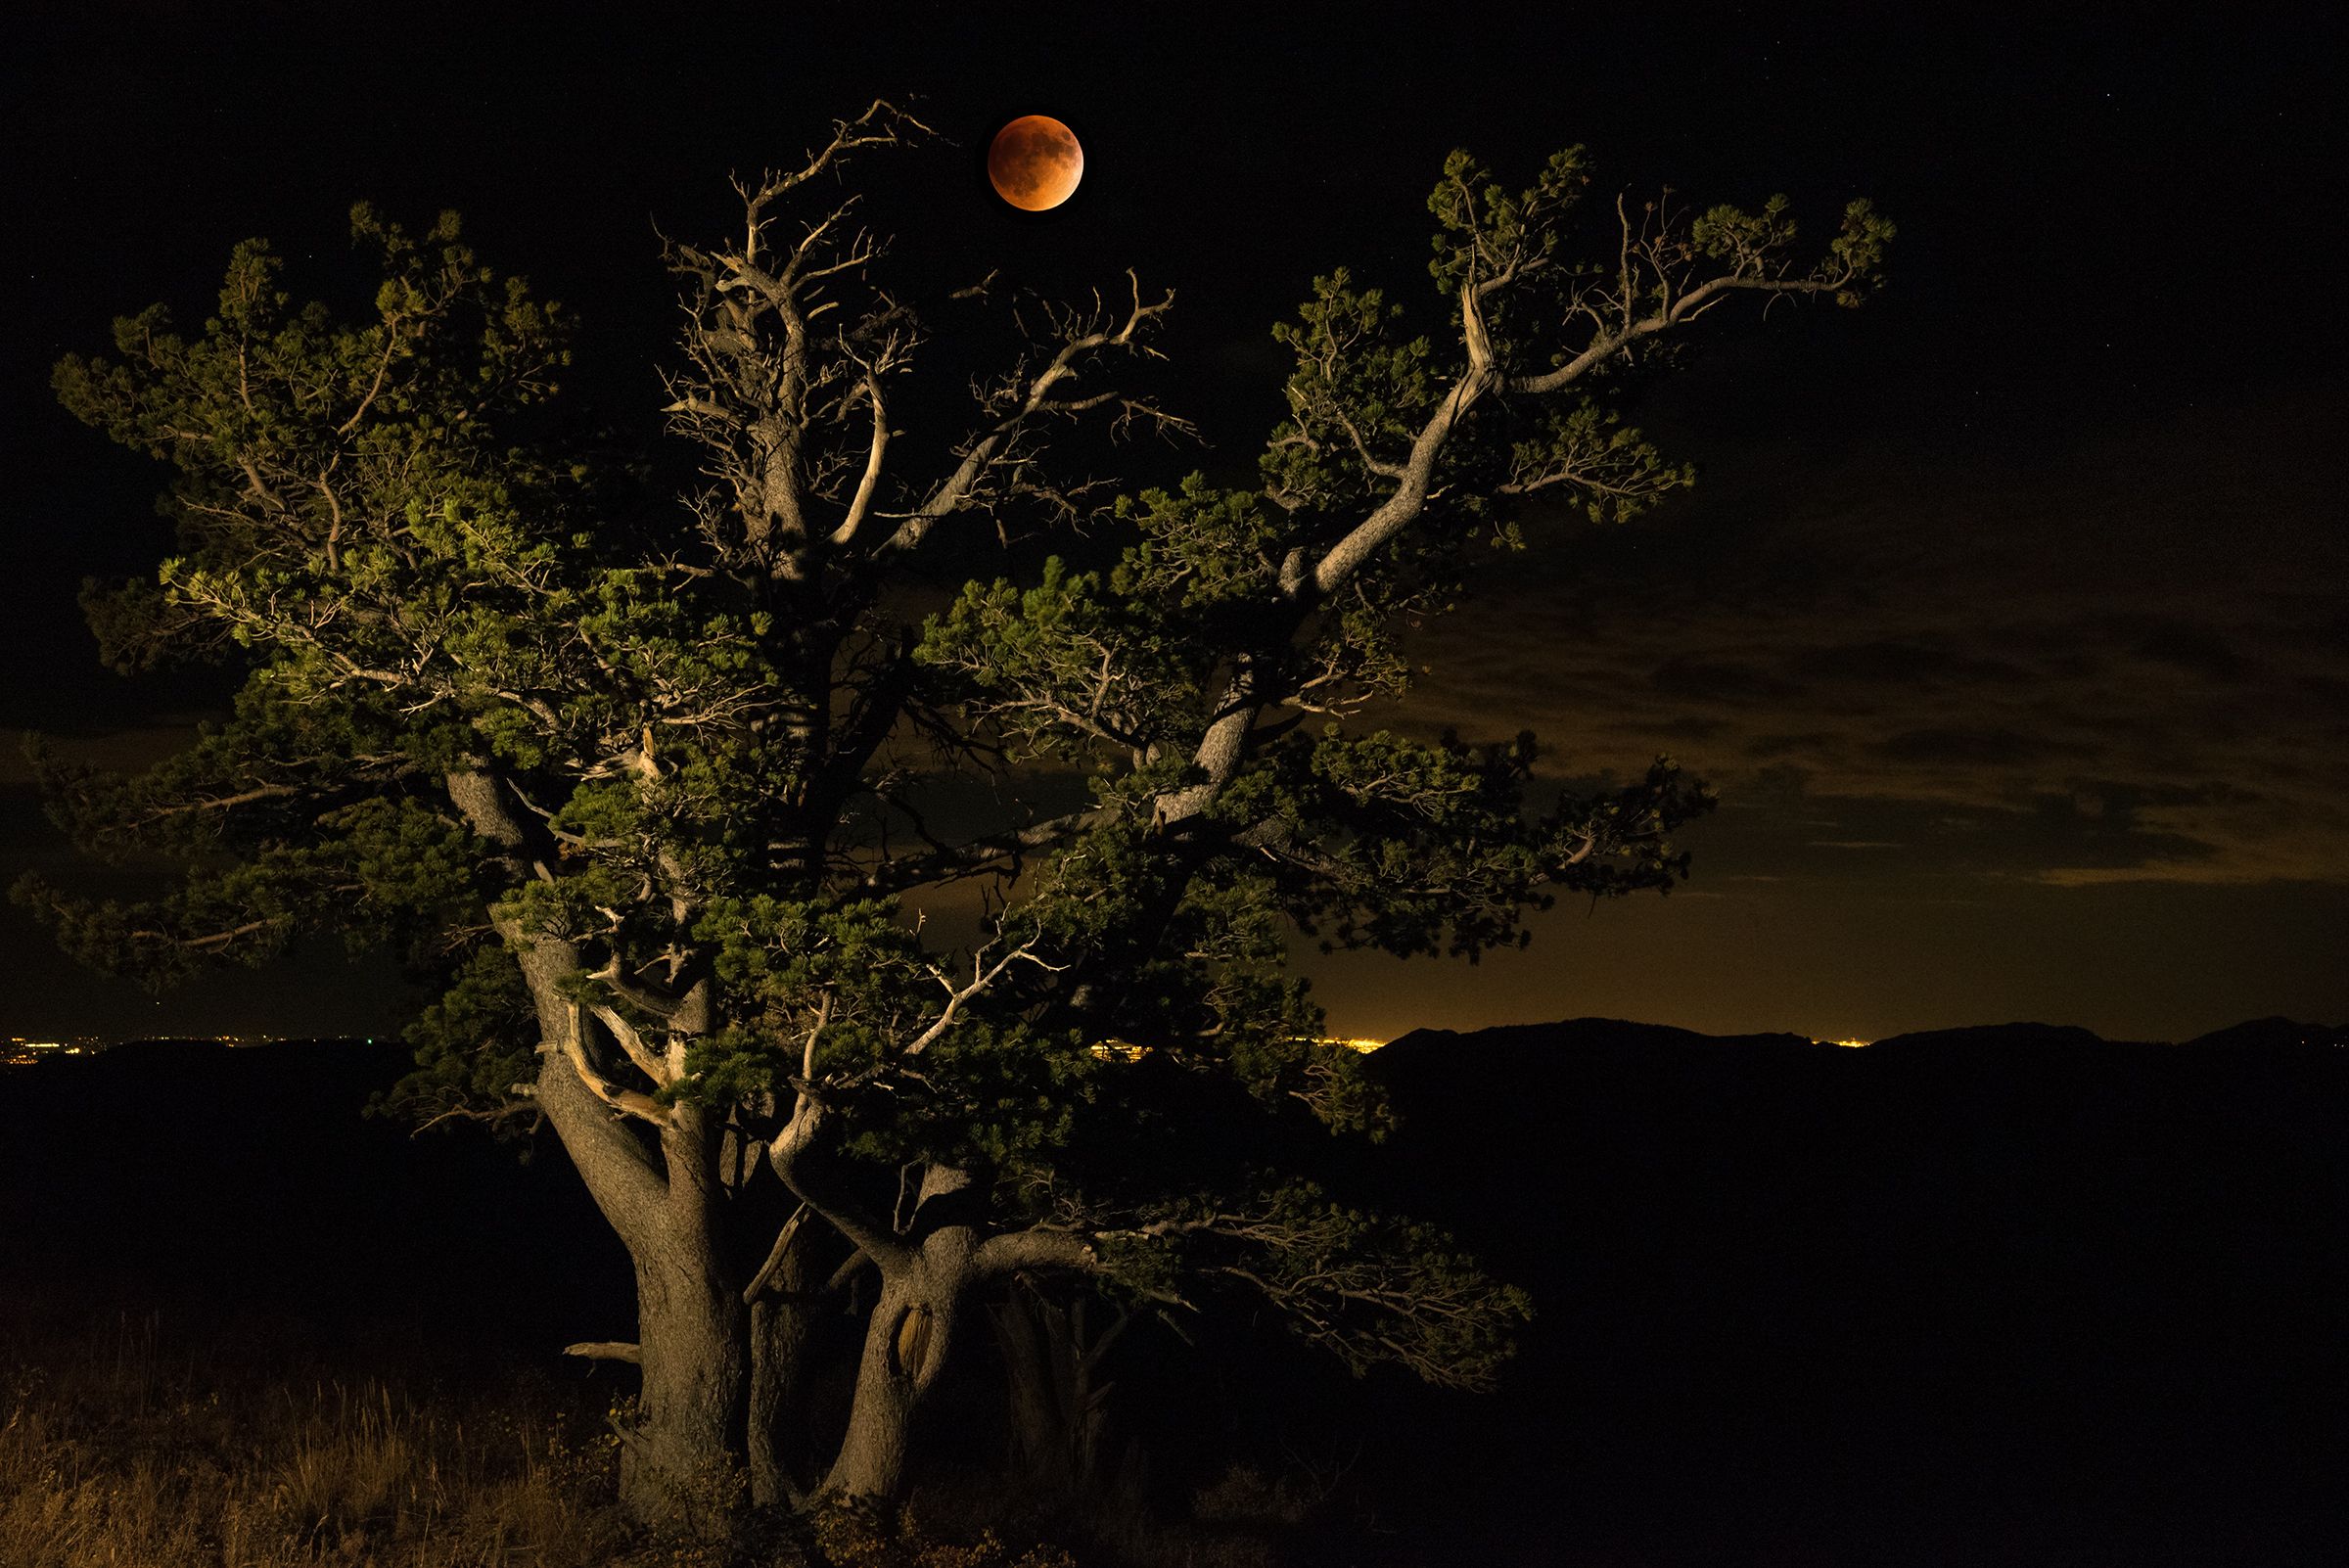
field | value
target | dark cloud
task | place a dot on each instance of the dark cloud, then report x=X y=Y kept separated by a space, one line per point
x=1968 y=748
x=2121 y=664
x=2195 y=650
x=1769 y=748
x=2330 y=692
x=1689 y=727
x=1901 y=664
x=1723 y=682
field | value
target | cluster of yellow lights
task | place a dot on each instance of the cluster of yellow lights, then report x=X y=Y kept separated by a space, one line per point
x=22 y=1052
x=18 y=1051
x=1842 y=1043
x=1123 y=1051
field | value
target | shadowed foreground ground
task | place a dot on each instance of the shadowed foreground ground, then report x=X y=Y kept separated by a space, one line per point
x=2015 y=1296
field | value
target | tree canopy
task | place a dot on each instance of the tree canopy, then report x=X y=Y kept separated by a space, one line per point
x=830 y=924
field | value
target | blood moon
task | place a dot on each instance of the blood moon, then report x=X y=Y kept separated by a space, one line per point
x=1035 y=163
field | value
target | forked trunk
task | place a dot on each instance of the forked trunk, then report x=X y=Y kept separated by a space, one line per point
x=906 y=1342
x=682 y=1454
x=909 y=1336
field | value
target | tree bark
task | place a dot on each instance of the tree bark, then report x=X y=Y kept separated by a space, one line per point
x=779 y=1344
x=908 y=1342
x=680 y=1457
x=685 y=1438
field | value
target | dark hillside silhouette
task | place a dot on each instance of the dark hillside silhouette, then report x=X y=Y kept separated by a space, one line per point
x=250 y=1176
x=1995 y=1288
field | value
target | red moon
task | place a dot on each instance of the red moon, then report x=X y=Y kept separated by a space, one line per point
x=1035 y=163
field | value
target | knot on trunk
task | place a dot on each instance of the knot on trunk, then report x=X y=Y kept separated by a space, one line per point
x=910 y=1345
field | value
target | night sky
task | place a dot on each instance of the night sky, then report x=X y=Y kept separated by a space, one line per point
x=2011 y=614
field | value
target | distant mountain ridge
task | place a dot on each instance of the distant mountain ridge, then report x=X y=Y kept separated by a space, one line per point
x=2264 y=1032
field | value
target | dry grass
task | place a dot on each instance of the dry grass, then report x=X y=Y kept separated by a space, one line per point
x=125 y=1447
x=140 y=1440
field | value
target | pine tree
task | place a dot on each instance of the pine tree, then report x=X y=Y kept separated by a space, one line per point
x=678 y=808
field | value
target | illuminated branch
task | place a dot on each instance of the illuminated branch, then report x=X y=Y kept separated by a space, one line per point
x=1029 y=396
x=221 y=802
x=862 y=504
x=211 y=940
x=647 y=1062
x=1035 y=1249
x=775 y=1255
x=793 y=1155
x=981 y=979
x=627 y=1101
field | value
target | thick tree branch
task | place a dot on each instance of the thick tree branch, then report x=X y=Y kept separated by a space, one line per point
x=795 y=1157
x=1402 y=508
x=1037 y=1249
x=572 y=1047
x=648 y=1063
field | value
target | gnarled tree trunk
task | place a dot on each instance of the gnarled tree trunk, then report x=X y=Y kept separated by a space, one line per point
x=681 y=1457
x=931 y=1263
x=906 y=1342
x=685 y=1438
x=926 y=1271
x=682 y=1451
